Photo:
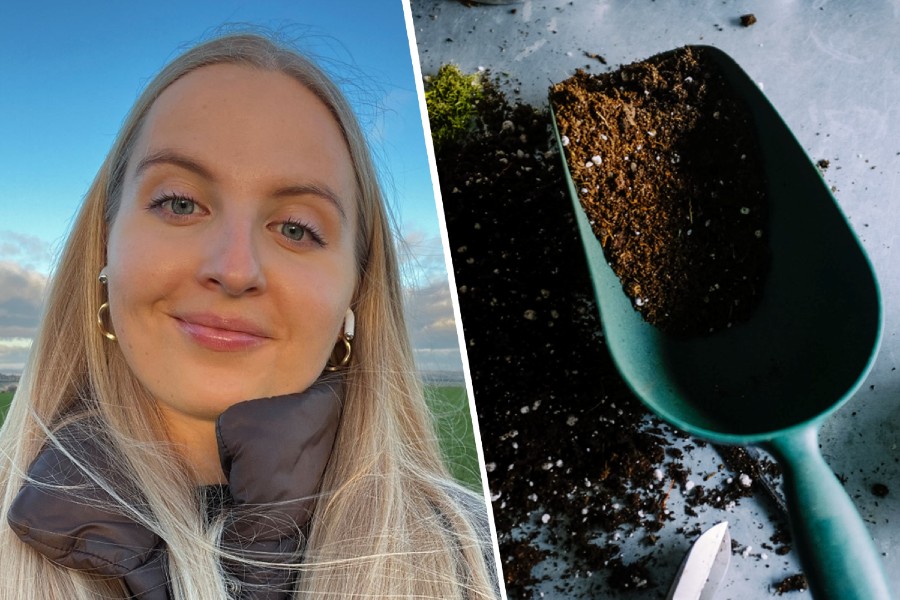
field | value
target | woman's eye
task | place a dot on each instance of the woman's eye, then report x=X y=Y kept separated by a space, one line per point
x=183 y=206
x=293 y=231
x=299 y=232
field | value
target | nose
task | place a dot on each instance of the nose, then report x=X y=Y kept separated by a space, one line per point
x=231 y=261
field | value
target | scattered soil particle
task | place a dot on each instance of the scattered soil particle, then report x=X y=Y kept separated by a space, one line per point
x=669 y=172
x=782 y=540
x=880 y=490
x=748 y=20
x=596 y=56
x=522 y=558
x=763 y=474
x=823 y=164
x=629 y=577
x=794 y=583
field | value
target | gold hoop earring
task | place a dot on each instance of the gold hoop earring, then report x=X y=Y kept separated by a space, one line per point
x=107 y=334
x=349 y=332
x=344 y=361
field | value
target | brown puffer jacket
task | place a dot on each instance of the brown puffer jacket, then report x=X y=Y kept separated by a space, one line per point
x=273 y=452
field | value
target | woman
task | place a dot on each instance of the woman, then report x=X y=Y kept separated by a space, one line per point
x=221 y=401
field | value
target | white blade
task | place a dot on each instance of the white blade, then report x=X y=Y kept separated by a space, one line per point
x=704 y=566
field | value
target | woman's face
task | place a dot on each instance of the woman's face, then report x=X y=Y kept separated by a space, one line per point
x=231 y=258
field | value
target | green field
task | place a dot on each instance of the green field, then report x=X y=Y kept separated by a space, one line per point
x=450 y=405
x=5 y=398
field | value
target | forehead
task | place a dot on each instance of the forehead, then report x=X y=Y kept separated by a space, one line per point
x=249 y=124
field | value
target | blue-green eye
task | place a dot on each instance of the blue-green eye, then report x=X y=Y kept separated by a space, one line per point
x=298 y=232
x=183 y=206
x=174 y=204
x=293 y=231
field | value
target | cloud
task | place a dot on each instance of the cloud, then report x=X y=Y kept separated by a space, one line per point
x=28 y=251
x=429 y=305
x=432 y=328
x=421 y=259
x=21 y=299
x=13 y=353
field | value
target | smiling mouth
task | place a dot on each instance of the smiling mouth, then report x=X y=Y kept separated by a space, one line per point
x=222 y=335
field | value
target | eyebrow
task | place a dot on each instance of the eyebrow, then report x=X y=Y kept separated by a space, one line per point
x=172 y=158
x=168 y=157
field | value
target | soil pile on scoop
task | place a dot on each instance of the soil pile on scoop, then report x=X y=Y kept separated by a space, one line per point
x=666 y=163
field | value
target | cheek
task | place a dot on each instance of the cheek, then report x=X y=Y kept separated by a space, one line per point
x=140 y=273
x=315 y=306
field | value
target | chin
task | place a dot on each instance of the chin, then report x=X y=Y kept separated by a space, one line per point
x=229 y=391
x=208 y=390
x=206 y=402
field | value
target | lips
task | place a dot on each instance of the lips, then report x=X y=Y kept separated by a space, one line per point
x=222 y=334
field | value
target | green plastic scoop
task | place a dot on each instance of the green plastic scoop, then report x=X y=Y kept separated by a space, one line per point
x=772 y=380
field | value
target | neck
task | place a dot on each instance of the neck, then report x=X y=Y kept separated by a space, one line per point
x=195 y=440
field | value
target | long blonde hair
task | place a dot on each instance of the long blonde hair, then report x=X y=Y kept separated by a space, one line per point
x=390 y=522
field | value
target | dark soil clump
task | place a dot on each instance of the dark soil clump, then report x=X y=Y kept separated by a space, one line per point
x=669 y=173
x=794 y=583
x=880 y=490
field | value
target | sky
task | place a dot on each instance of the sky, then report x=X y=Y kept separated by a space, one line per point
x=69 y=72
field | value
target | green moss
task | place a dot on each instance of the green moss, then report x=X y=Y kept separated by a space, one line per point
x=452 y=98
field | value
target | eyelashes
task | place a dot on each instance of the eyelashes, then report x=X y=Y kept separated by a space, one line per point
x=296 y=231
x=178 y=204
x=182 y=208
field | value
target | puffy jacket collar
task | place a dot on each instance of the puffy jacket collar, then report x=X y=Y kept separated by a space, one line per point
x=273 y=450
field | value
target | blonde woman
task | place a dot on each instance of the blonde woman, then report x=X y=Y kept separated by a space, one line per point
x=221 y=401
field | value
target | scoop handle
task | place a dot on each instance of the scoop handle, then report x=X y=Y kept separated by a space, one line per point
x=836 y=550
